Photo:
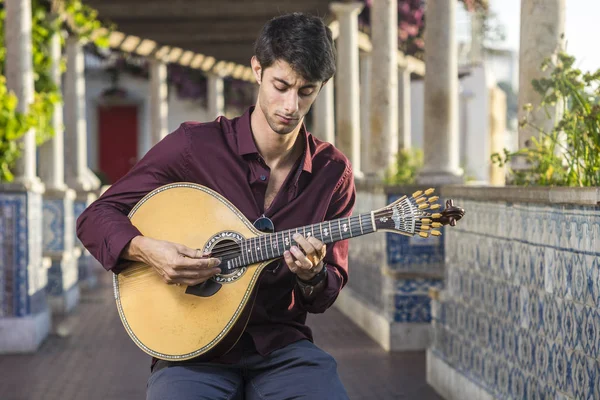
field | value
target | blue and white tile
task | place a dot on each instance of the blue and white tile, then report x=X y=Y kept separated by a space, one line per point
x=592 y=392
x=542 y=358
x=561 y=368
x=589 y=335
x=579 y=287
x=517 y=383
x=593 y=280
x=569 y=329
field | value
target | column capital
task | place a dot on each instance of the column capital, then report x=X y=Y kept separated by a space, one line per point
x=346 y=9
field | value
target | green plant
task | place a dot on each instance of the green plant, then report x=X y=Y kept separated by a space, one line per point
x=408 y=164
x=48 y=18
x=14 y=125
x=567 y=155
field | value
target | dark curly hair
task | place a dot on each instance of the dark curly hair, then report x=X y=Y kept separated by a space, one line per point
x=301 y=40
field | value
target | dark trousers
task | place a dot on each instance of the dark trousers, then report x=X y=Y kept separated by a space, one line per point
x=298 y=371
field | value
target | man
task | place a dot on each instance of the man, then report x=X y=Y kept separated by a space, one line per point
x=274 y=172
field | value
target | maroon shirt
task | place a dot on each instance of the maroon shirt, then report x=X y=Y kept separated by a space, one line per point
x=222 y=155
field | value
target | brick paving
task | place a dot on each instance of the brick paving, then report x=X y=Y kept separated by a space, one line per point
x=90 y=357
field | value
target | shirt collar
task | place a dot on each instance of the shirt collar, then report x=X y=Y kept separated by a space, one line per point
x=246 y=145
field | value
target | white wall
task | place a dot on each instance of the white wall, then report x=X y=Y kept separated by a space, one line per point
x=417 y=109
x=475 y=134
x=505 y=66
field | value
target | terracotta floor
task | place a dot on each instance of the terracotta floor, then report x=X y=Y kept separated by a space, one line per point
x=93 y=359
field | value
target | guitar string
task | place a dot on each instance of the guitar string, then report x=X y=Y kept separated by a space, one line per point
x=284 y=233
x=353 y=224
x=235 y=248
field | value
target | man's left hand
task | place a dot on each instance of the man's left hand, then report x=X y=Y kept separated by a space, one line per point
x=306 y=261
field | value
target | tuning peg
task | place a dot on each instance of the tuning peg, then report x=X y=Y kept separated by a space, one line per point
x=435 y=206
x=424 y=234
x=425 y=227
x=436 y=233
x=423 y=206
x=433 y=199
x=421 y=199
x=429 y=191
x=436 y=215
x=436 y=224
x=425 y=220
x=417 y=194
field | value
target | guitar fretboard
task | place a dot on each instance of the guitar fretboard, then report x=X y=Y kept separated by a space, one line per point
x=272 y=246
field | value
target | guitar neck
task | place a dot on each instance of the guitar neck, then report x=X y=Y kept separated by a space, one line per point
x=272 y=246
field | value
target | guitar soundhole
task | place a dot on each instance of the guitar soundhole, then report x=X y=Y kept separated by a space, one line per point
x=226 y=249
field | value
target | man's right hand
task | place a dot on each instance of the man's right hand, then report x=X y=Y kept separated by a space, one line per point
x=175 y=263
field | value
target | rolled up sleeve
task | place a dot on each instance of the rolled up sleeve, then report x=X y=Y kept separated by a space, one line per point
x=104 y=227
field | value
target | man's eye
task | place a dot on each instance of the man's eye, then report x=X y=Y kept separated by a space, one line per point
x=281 y=89
x=306 y=93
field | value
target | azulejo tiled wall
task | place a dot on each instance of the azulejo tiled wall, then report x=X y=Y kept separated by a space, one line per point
x=22 y=275
x=59 y=241
x=423 y=258
x=520 y=314
x=415 y=265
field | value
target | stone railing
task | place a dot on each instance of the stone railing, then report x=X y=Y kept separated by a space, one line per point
x=520 y=315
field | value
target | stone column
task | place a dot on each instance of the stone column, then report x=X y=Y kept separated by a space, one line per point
x=52 y=162
x=78 y=175
x=24 y=313
x=542 y=24
x=323 y=114
x=347 y=82
x=365 y=112
x=216 y=96
x=440 y=141
x=159 y=105
x=19 y=79
x=404 y=108
x=58 y=222
x=383 y=131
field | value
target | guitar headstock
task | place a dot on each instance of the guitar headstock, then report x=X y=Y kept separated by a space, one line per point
x=419 y=214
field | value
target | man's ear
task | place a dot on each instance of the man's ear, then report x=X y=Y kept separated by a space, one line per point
x=257 y=69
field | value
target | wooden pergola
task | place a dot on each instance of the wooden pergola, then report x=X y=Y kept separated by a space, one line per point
x=215 y=36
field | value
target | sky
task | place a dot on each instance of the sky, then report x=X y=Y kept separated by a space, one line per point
x=582 y=28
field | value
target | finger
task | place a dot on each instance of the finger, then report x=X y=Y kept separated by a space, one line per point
x=194 y=263
x=304 y=262
x=303 y=243
x=316 y=244
x=189 y=252
x=289 y=260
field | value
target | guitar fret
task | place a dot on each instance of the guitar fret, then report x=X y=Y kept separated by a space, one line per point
x=271 y=246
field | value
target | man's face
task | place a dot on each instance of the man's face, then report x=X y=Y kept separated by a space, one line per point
x=284 y=96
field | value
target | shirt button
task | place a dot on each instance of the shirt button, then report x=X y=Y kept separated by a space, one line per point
x=263 y=178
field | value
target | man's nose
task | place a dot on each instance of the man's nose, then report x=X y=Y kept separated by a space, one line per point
x=291 y=103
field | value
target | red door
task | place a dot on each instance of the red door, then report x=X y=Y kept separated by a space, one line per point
x=117 y=137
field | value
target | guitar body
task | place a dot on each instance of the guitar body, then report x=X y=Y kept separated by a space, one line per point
x=173 y=322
